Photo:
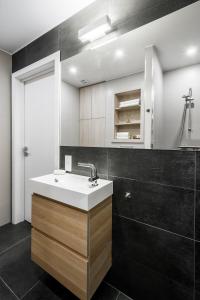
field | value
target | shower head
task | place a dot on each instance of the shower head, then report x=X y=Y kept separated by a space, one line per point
x=189 y=96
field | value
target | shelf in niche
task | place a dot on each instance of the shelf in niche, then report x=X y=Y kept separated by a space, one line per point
x=130 y=113
x=128 y=124
x=131 y=107
x=135 y=141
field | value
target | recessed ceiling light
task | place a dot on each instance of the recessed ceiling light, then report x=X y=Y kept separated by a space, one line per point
x=119 y=53
x=95 y=30
x=73 y=70
x=191 y=51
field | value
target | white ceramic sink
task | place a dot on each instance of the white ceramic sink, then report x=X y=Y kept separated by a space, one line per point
x=71 y=189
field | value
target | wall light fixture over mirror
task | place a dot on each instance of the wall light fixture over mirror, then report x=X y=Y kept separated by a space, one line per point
x=139 y=90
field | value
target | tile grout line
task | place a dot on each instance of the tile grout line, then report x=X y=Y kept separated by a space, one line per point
x=8 y=287
x=126 y=296
x=119 y=292
x=17 y=243
x=110 y=285
x=153 y=182
x=118 y=295
x=152 y=226
x=35 y=284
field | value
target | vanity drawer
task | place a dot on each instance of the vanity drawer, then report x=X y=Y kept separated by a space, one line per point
x=67 y=225
x=69 y=268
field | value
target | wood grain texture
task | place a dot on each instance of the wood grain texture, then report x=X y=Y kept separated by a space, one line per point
x=98 y=132
x=98 y=100
x=69 y=268
x=100 y=243
x=85 y=132
x=67 y=225
x=85 y=103
x=57 y=232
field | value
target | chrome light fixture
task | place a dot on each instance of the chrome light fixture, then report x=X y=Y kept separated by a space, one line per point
x=95 y=30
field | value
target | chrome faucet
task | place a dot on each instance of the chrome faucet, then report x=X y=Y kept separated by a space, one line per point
x=93 y=172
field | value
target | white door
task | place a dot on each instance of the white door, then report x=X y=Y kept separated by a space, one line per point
x=40 y=133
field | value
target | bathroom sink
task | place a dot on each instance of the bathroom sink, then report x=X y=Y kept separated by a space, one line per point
x=71 y=189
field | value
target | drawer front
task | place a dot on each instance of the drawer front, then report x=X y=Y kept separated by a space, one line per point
x=69 y=268
x=65 y=224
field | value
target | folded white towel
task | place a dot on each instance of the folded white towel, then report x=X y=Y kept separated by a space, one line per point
x=124 y=135
x=129 y=102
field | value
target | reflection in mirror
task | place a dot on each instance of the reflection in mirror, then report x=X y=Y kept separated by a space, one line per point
x=141 y=90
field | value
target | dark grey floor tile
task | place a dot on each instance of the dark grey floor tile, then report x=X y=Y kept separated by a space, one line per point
x=167 y=167
x=97 y=156
x=123 y=297
x=17 y=269
x=49 y=289
x=153 y=261
x=162 y=206
x=5 y=293
x=105 y=292
x=11 y=234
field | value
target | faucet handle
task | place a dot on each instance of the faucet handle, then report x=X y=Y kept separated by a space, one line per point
x=93 y=178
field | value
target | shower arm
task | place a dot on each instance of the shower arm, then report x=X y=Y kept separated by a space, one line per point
x=188 y=99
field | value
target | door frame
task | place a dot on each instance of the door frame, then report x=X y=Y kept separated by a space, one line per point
x=41 y=67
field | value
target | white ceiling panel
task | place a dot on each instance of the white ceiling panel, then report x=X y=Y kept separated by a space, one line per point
x=22 y=21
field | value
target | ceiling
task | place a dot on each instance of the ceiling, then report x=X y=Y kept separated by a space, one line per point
x=172 y=35
x=22 y=21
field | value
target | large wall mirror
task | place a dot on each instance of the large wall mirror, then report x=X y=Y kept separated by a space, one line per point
x=140 y=90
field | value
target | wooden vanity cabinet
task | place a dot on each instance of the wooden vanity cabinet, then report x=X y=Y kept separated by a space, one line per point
x=72 y=245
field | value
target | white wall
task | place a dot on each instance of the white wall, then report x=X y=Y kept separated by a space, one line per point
x=176 y=84
x=132 y=82
x=5 y=138
x=158 y=103
x=70 y=114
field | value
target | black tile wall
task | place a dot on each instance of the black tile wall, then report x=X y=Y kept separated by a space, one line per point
x=148 y=261
x=197 y=216
x=166 y=207
x=153 y=230
x=168 y=254
x=43 y=46
x=38 y=49
x=126 y=15
x=174 y=168
x=19 y=60
x=197 y=269
x=198 y=170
